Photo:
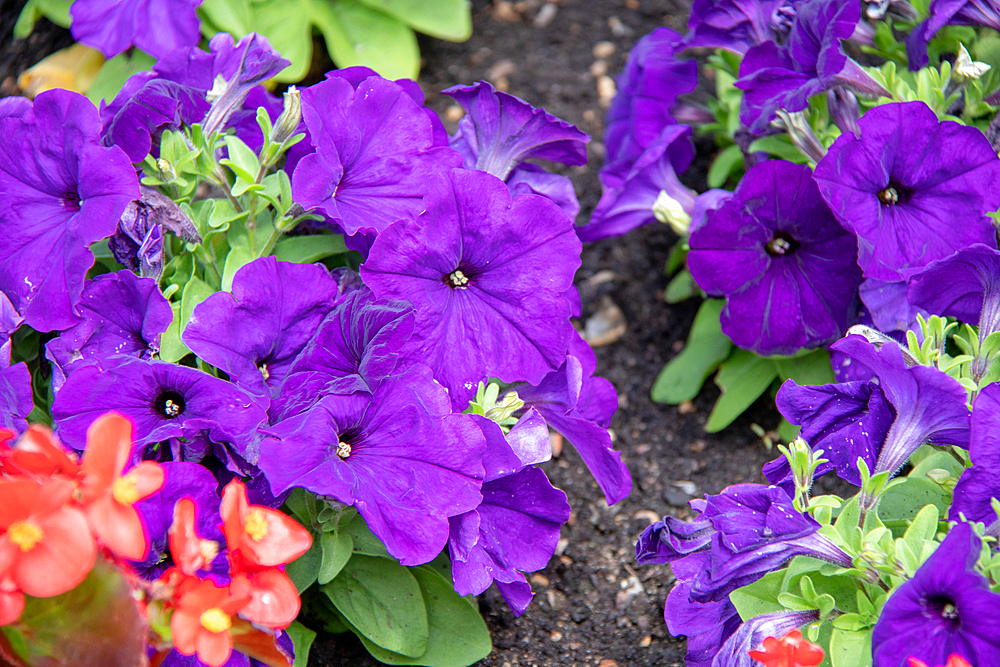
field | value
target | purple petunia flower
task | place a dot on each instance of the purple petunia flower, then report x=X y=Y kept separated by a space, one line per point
x=811 y=61
x=123 y=317
x=706 y=625
x=59 y=192
x=949 y=12
x=914 y=189
x=947 y=607
x=16 y=399
x=648 y=87
x=889 y=306
x=162 y=400
x=255 y=332
x=138 y=242
x=374 y=154
x=516 y=527
x=734 y=25
x=965 y=285
x=979 y=484
x=398 y=455
x=736 y=651
x=154 y=26
x=486 y=275
x=784 y=264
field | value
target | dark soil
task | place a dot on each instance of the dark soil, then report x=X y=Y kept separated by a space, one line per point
x=593 y=606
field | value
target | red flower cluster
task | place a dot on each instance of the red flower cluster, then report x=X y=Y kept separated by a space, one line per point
x=954 y=660
x=260 y=541
x=789 y=651
x=55 y=510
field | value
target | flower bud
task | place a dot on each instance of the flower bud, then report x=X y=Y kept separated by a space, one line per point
x=671 y=212
x=844 y=112
x=290 y=117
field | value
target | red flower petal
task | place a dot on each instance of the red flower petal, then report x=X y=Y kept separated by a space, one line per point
x=61 y=559
x=274 y=598
x=118 y=527
x=265 y=537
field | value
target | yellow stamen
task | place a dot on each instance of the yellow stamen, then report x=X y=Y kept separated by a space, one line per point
x=256 y=526
x=216 y=620
x=124 y=490
x=25 y=534
x=208 y=550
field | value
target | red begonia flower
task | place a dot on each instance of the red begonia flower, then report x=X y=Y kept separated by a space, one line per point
x=46 y=547
x=108 y=494
x=954 y=660
x=202 y=619
x=274 y=599
x=11 y=601
x=789 y=651
x=37 y=452
x=190 y=552
x=261 y=536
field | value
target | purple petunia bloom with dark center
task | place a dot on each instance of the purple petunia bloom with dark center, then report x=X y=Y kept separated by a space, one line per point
x=486 y=275
x=59 y=192
x=154 y=26
x=980 y=484
x=947 y=607
x=788 y=270
x=912 y=188
x=949 y=12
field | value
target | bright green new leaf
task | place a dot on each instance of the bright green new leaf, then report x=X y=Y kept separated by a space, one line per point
x=903 y=500
x=308 y=249
x=444 y=19
x=726 y=162
x=743 y=377
x=237 y=258
x=171 y=347
x=337 y=548
x=810 y=368
x=194 y=293
x=851 y=648
x=682 y=378
x=356 y=34
x=382 y=600
x=760 y=597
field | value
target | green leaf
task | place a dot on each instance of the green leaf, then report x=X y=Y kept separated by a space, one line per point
x=308 y=249
x=780 y=146
x=457 y=635
x=302 y=639
x=743 y=377
x=365 y=542
x=337 y=547
x=682 y=378
x=810 y=368
x=115 y=72
x=171 y=347
x=851 y=648
x=760 y=597
x=232 y=16
x=304 y=569
x=288 y=27
x=681 y=287
x=237 y=258
x=382 y=600
x=444 y=19
x=725 y=163
x=194 y=293
x=356 y=34
x=904 y=500
x=924 y=527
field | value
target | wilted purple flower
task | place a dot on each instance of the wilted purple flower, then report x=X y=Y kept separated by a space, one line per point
x=648 y=87
x=123 y=317
x=154 y=26
x=965 y=285
x=255 y=332
x=707 y=625
x=913 y=188
x=947 y=607
x=930 y=406
x=59 y=192
x=949 y=12
x=979 y=484
x=486 y=275
x=734 y=25
x=398 y=455
x=671 y=538
x=162 y=400
x=736 y=651
x=516 y=527
x=353 y=349
x=784 y=264
x=374 y=155
x=811 y=61
x=500 y=131
x=138 y=242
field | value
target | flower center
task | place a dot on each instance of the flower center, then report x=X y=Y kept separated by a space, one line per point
x=781 y=244
x=124 y=490
x=169 y=404
x=894 y=193
x=343 y=449
x=943 y=608
x=25 y=534
x=264 y=371
x=71 y=201
x=256 y=525
x=215 y=620
x=457 y=279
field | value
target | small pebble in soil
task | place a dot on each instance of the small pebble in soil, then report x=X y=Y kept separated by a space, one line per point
x=538 y=579
x=545 y=15
x=698 y=446
x=604 y=49
x=454 y=113
x=619 y=29
x=556 y=443
x=646 y=641
x=686 y=408
x=504 y=11
x=605 y=90
x=580 y=614
x=599 y=68
x=556 y=636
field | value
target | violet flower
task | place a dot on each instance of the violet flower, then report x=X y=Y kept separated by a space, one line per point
x=256 y=331
x=374 y=154
x=910 y=176
x=784 y=264
x=736 y=651
x=60 y=191
x=980 y=484
x=398 y=455
x=16 y=398
x=138 y=242
x=947 y=607
x=707 y=626
x=949 y=12
x=486 y=275
x=811 y=61
x=965 y=286
x=648 y=87
x=123 y=317
x=154 y=26
x=734 y=25
x=162 y=400
x=889 y=306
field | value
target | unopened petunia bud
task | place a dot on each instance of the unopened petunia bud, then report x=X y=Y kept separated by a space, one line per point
x=290 y=117
x=671 y=212
x=844 y=112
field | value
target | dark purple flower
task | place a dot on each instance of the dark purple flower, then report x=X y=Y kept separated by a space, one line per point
x=528 y=178
x=486 y=275
x=648 y=87
x=947 y=607
x=123 y=317
x=914 y=189
x=736 y=651
x=162 y=400
x=374 y=155
x=735 y=25
x=353 y=349
x=811 y=61
x=707 y=625
x=398 y=455
x=500 y=131
x=144 y=108
x=59 y=192
x=784 y=264
x=888 y=305
x=965 y=285
x=516 y=527
x=949 y=12
x=154 y=26
x=255 y=332
x=671 y=538
x=16 y=401
x=930 y=406
x=580 y=406
x=138 y=241
x=979 y=484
